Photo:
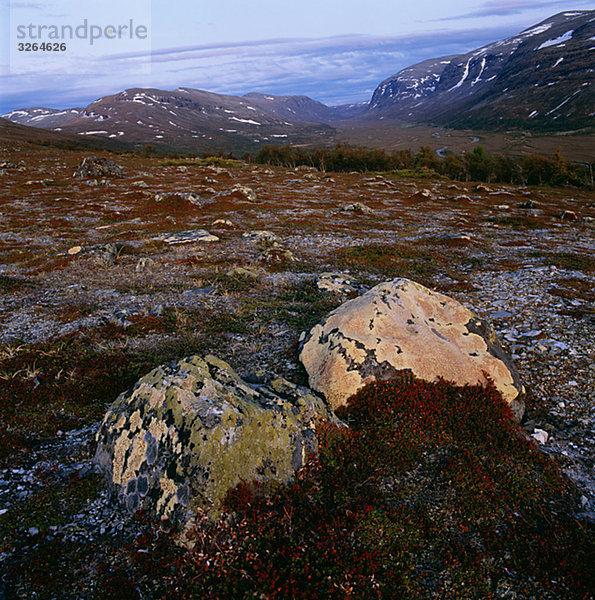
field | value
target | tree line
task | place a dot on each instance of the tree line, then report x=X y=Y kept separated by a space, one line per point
x=477 y=165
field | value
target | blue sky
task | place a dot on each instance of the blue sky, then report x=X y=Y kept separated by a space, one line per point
x=335 y=51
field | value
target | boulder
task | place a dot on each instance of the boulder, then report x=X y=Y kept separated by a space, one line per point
x=188 y=432
x=403 y=325
x=189 y=237
x=95 y=166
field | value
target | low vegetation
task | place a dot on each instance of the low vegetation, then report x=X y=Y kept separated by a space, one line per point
x=431 y=492
x=477 y=165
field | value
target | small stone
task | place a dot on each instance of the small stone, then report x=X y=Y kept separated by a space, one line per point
x=144 y=264
x=500 y=314
x=241 y=272
x=569 y=215
x=528 y=204
x=74 y=250
x=541 y=436
x=358 y=208
x=191 y=198
x=482 y=189
x=337 y=283
x=424 y=194
x=261 y=237
x=455 y=237
x=246 y=192
x=277 y=255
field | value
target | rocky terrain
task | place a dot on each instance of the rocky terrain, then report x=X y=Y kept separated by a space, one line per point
x=104 y=278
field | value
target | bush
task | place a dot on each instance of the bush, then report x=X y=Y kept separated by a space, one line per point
x=431 y=492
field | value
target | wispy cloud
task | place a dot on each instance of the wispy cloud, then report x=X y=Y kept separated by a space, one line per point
x=33 y=5
x=502 y=8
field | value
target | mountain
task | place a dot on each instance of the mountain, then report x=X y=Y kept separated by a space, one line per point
x=183 y=118
x=46 y=118
x=296 y=108
x=304 y=109
x=540 y=78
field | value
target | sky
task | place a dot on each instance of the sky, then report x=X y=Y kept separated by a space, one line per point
x=336 y=51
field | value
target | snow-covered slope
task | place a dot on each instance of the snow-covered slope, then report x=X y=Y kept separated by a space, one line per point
x=183 y=117
x=540 y=77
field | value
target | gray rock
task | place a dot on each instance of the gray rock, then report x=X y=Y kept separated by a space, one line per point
x=144 y=264
x=338 y=283
x=243 y=191
x=189 y=237
x=423 y=195
x=359 y=208
x=188 y=432
x=95 y=166
x=188 y=197
x=261 y=237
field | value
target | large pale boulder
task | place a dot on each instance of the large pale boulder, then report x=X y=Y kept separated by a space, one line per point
x=403 y=325
x=188 y=432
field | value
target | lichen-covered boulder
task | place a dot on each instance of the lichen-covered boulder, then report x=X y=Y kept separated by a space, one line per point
x=403 y=325
x=188 y=432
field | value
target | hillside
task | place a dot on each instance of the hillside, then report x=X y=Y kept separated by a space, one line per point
x=538 y=79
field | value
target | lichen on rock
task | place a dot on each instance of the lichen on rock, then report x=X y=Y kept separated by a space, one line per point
x=188 y=432
x=401 y=325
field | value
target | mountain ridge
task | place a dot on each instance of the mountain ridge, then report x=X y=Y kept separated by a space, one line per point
x=539 y=79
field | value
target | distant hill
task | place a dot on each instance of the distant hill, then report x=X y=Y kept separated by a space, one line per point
x=302 y=108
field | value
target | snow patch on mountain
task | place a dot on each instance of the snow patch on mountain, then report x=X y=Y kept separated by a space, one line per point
x=559 y=40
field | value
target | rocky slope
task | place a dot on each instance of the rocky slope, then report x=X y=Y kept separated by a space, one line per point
x=538 y=78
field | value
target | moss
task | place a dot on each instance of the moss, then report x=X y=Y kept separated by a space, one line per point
x=193 y=429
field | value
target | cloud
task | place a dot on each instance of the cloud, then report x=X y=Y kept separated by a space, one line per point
x=501 y=8
x=34 y=5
